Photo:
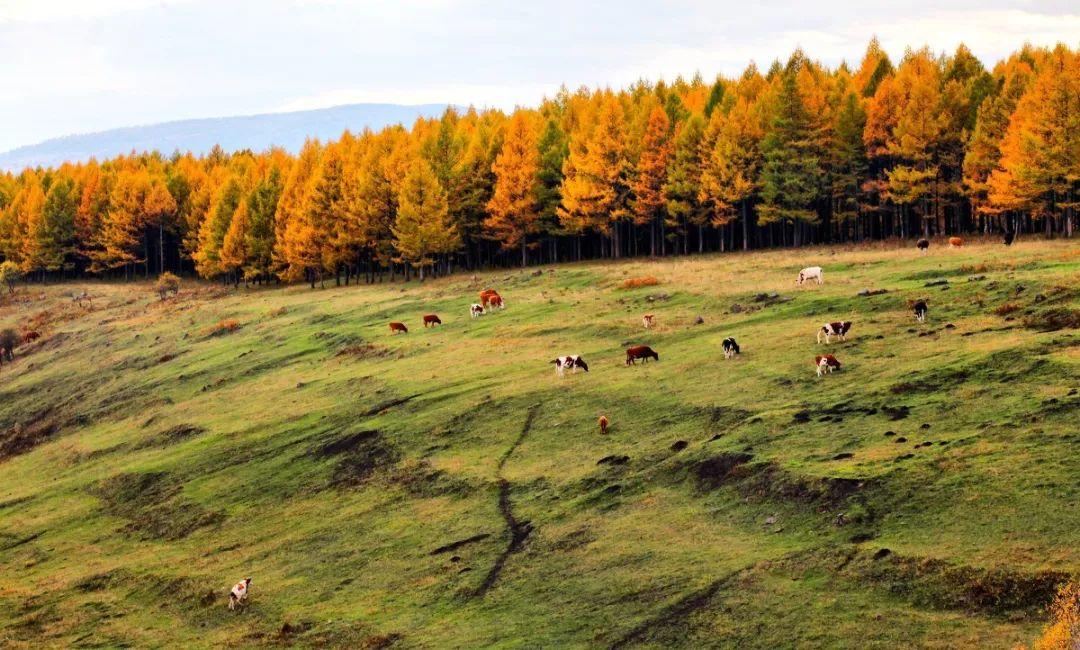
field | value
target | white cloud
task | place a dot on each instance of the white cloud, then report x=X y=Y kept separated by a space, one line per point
x=43 y=11
x=990 y=34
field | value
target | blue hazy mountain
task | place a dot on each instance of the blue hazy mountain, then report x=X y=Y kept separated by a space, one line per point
x=255 y=132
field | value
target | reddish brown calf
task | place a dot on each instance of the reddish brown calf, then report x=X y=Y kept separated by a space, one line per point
x=398 y=327
x=431 y=320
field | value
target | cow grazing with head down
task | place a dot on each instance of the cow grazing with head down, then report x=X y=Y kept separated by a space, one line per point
x=398 y=327
x=431 y=320
x=603 y=422
x=492 y=298
x=31 y=336
x=923 y=245
x=811 y=273
x=476 y=310
x=826 y=363
x=573 y=361
x=920 y=309
x=1008 y=238
x=838 y=329
x=642 y=352
x=239 y=593
x=647 y=320
x=956 y=242
x=731 y=347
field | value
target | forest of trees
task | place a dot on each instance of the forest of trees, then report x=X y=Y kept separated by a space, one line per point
x=798 y=154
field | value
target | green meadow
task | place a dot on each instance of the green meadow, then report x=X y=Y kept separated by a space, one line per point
x=443 y=488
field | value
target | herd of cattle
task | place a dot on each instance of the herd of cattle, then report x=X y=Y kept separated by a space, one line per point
x=823 y=364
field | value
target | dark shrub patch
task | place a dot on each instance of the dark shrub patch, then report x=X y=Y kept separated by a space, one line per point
x=153 y=506
x=1051 y=320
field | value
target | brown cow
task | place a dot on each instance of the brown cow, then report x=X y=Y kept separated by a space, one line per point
x=647 y=320
x=31 y=336
x=486 y=295
x=398 y=327
x=826 y=363
x=431 y=320
x=642 y=352
x=923 y=245
x=603 y=421
x=956 y=242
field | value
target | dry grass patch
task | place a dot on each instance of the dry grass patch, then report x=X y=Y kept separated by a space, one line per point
x=638 y=282
x=227 y=326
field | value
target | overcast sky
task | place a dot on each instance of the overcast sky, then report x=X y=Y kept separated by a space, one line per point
x=74 y=66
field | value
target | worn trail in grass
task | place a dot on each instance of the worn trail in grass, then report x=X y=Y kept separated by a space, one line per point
x=443 y=488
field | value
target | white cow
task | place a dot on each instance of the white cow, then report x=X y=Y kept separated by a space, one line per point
x=239 y=593
x=811 y=273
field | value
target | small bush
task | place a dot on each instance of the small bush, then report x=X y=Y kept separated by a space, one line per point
x=1007 y=308
x=1063 y=633
x=226 y=326
x=9 y=340
x=643 y=281
x=167 y=283
x=1055 y=319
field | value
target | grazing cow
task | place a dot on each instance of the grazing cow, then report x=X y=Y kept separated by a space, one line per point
x=956 y=242
x=398 y=327
x=826 y=363
x=432 y=320
x=496 y=301
x=603 y=422
x=920 y=310
x=476 y=310
x=79 y=298
x=647 y=320
x=30 y=337
x=239 y=593
x=570 y=361
x=731 y=347
x=1008 y=238
x=490 y=297
x=923 y=244
x=811 y=273
x=642 y=352
x=837 y=329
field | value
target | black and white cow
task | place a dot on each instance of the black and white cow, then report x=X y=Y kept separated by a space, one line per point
x=573 y=361
x=837 y=329
x=920 y=310
x=731 y=347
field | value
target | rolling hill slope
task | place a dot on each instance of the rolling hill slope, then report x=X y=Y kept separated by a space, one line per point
x=255 y=132
x=442 y=488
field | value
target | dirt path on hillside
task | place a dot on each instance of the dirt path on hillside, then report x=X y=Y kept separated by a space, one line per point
x=519 y=530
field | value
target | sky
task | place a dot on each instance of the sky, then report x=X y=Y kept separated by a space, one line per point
x=77 y=66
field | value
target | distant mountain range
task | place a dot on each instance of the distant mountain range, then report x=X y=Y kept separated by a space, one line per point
x=255 y=132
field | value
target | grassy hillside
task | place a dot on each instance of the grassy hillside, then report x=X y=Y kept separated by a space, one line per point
x=444 y=489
